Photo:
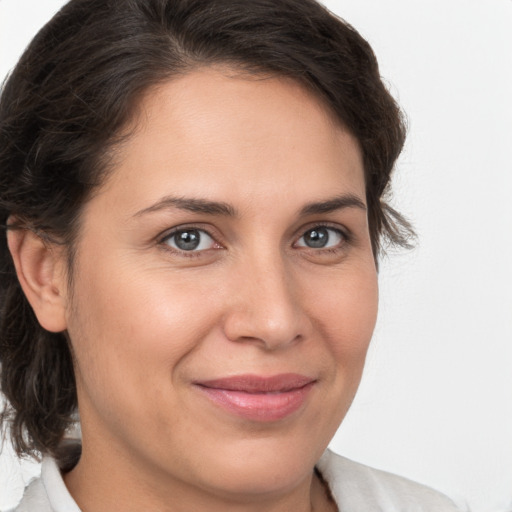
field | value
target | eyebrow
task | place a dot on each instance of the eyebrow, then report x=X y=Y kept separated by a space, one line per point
x=207 y=207
x=336 y=203
x=191 y=205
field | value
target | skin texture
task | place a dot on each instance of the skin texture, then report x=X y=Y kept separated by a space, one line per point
x=147 y=321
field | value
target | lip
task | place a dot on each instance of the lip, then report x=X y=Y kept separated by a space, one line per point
x=259 y=398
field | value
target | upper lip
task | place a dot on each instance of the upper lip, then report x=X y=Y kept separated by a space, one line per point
x=252 y=383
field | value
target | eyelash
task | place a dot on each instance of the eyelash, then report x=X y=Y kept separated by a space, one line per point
x=343 y=233
x=187 y=254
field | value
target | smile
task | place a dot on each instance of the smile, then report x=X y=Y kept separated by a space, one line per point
x=258 y=398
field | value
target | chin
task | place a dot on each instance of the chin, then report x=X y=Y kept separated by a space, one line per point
x=263 y=466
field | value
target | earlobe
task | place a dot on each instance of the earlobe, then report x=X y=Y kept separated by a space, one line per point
x=40 y=270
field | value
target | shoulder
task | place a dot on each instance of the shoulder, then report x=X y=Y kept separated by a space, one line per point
x=358 y=487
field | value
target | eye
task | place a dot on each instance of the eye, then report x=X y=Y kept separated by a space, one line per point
x=190 y=240
x=321 y=237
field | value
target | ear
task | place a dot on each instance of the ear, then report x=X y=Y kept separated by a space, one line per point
x=40 y=266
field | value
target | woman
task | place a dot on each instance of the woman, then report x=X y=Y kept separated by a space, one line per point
x=192 y=193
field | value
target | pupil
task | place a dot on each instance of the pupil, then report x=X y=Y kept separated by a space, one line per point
x=317 y=238
x=188 y=240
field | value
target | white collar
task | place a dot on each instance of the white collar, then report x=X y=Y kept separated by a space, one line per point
x=56 y=490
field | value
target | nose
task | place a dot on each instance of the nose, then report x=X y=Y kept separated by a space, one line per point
x=266 y=306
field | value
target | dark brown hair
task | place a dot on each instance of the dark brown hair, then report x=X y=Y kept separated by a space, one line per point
x=77 y=85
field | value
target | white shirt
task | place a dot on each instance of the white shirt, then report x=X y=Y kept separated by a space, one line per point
x=355 y=488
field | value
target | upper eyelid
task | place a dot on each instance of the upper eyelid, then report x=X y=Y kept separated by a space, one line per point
x=345 y=242
x=164 y=235
x=330 y=225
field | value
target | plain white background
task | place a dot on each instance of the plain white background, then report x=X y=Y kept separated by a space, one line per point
x=435 y=403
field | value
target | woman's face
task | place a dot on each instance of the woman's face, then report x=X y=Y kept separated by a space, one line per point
x=224 y=289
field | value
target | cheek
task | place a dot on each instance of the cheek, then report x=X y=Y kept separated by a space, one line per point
x=347 y=313
x=131 y=329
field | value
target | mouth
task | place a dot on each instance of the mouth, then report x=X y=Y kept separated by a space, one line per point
x=259 y=398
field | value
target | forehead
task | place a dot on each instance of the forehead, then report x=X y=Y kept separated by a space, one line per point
x=215 y=130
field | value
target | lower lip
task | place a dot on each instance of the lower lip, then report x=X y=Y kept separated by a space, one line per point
x=263 y=407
